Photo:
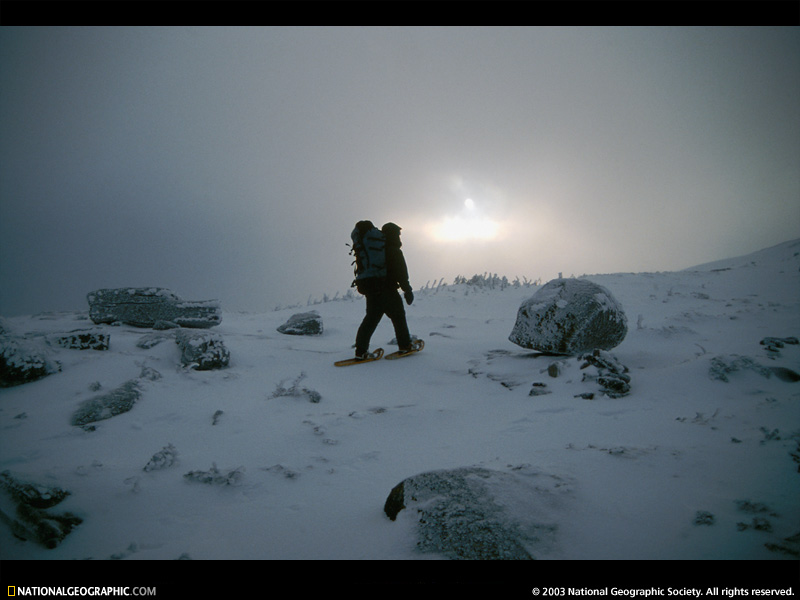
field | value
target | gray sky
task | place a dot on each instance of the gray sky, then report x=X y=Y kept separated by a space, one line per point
x=232 y=163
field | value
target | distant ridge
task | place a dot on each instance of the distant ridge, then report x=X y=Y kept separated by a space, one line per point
x=777 y=253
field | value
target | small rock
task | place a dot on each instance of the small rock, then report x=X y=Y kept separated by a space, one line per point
x=166 y=457
x=215 y=477
x=703 y=518
x=308 y=323
x=539 y=389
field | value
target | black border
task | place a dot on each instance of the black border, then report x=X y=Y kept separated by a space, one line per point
x=412 y=579
x=439 y=13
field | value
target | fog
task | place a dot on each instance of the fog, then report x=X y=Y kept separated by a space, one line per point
x=232 y=163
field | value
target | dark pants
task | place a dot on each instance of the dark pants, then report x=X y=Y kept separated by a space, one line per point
x=385 y=302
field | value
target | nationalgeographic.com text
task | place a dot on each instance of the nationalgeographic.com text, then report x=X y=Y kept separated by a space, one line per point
x=70 y=591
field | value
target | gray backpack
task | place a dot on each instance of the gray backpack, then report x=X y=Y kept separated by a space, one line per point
x=369 y=249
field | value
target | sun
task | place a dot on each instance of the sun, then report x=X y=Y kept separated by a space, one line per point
x=470 y=224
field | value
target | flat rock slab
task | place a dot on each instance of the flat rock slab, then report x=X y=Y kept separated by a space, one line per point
x=151 y=307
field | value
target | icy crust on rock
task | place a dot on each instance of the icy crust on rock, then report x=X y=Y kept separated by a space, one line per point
x=570 y=316
x=146 y=307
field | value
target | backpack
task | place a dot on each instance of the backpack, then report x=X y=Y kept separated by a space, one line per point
x=369 y=249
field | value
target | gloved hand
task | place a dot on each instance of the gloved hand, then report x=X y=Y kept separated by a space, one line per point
x=409 y=295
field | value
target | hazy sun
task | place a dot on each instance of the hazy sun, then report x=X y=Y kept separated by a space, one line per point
x=470 y=224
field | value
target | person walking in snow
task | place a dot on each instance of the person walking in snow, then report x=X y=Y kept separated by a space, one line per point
x=380 y=282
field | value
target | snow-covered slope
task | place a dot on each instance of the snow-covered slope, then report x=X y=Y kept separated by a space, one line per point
x=686 y=466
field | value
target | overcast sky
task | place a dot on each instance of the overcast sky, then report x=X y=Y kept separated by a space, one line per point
x=232 y=163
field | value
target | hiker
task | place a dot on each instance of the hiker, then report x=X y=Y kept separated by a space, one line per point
x=378 y=279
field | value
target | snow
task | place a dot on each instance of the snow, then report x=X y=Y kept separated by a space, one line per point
x=661 y=473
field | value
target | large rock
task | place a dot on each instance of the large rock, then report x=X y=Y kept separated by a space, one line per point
x=570 y=316
x=202 y=350
x=475 y=513
x=308 y=323
x=21 y=361
x=151 y=307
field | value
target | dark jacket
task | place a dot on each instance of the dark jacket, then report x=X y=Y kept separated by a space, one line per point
x=396 y=269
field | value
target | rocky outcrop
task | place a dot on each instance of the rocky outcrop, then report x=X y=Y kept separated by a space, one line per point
x=570 y=316
x=308 y=323
x=202 y=350
x=151 y=307
x=475 y=513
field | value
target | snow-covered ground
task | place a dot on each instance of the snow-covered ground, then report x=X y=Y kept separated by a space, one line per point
x=687 y=466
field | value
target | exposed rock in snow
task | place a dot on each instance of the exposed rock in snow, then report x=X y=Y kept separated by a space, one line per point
x=150 y=340
x=570 y=316
x=215 y=476
x=297 y=390
x=151 y=307
x=308 y=323
x=166 y=457
x=23 y=507
x=612 y=375
x=773 y=345
x=539 y=389
x=149 y=373
x=82 y=339
x=202 y=350
x=475 y=513
x=116 y=402
x=722 y=367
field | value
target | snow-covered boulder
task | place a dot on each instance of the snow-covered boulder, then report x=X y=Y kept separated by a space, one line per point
x=308 y=323
x=150 y=307
x=21 y=361
x=570 y=316
x=202 y=350
x=475 y=513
